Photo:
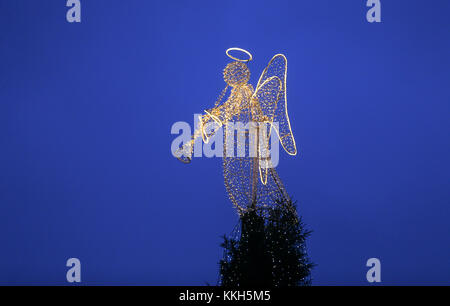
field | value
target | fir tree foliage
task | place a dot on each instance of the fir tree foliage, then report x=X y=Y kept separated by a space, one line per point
x=269 y=249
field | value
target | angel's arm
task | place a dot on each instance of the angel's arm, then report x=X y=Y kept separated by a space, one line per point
x=212 y=116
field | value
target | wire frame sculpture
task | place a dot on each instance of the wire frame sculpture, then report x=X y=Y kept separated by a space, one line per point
x=250 y=179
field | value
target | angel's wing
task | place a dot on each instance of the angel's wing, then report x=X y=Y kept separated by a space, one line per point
x=278 y=67
x=264 y=104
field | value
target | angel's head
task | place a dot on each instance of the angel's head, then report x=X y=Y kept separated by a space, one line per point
x=236 y=74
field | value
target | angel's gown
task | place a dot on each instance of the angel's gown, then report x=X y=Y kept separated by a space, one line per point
x=242 y=174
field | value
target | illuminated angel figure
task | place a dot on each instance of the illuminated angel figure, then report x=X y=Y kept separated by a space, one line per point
x=250 y=180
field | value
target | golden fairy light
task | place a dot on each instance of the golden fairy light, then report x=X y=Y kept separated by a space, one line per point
x=251 y=181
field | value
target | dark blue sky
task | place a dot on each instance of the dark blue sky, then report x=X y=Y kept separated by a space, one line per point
x=85 y=117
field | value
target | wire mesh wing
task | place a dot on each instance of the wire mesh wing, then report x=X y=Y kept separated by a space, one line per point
x=278 y=67
x=264 y=103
